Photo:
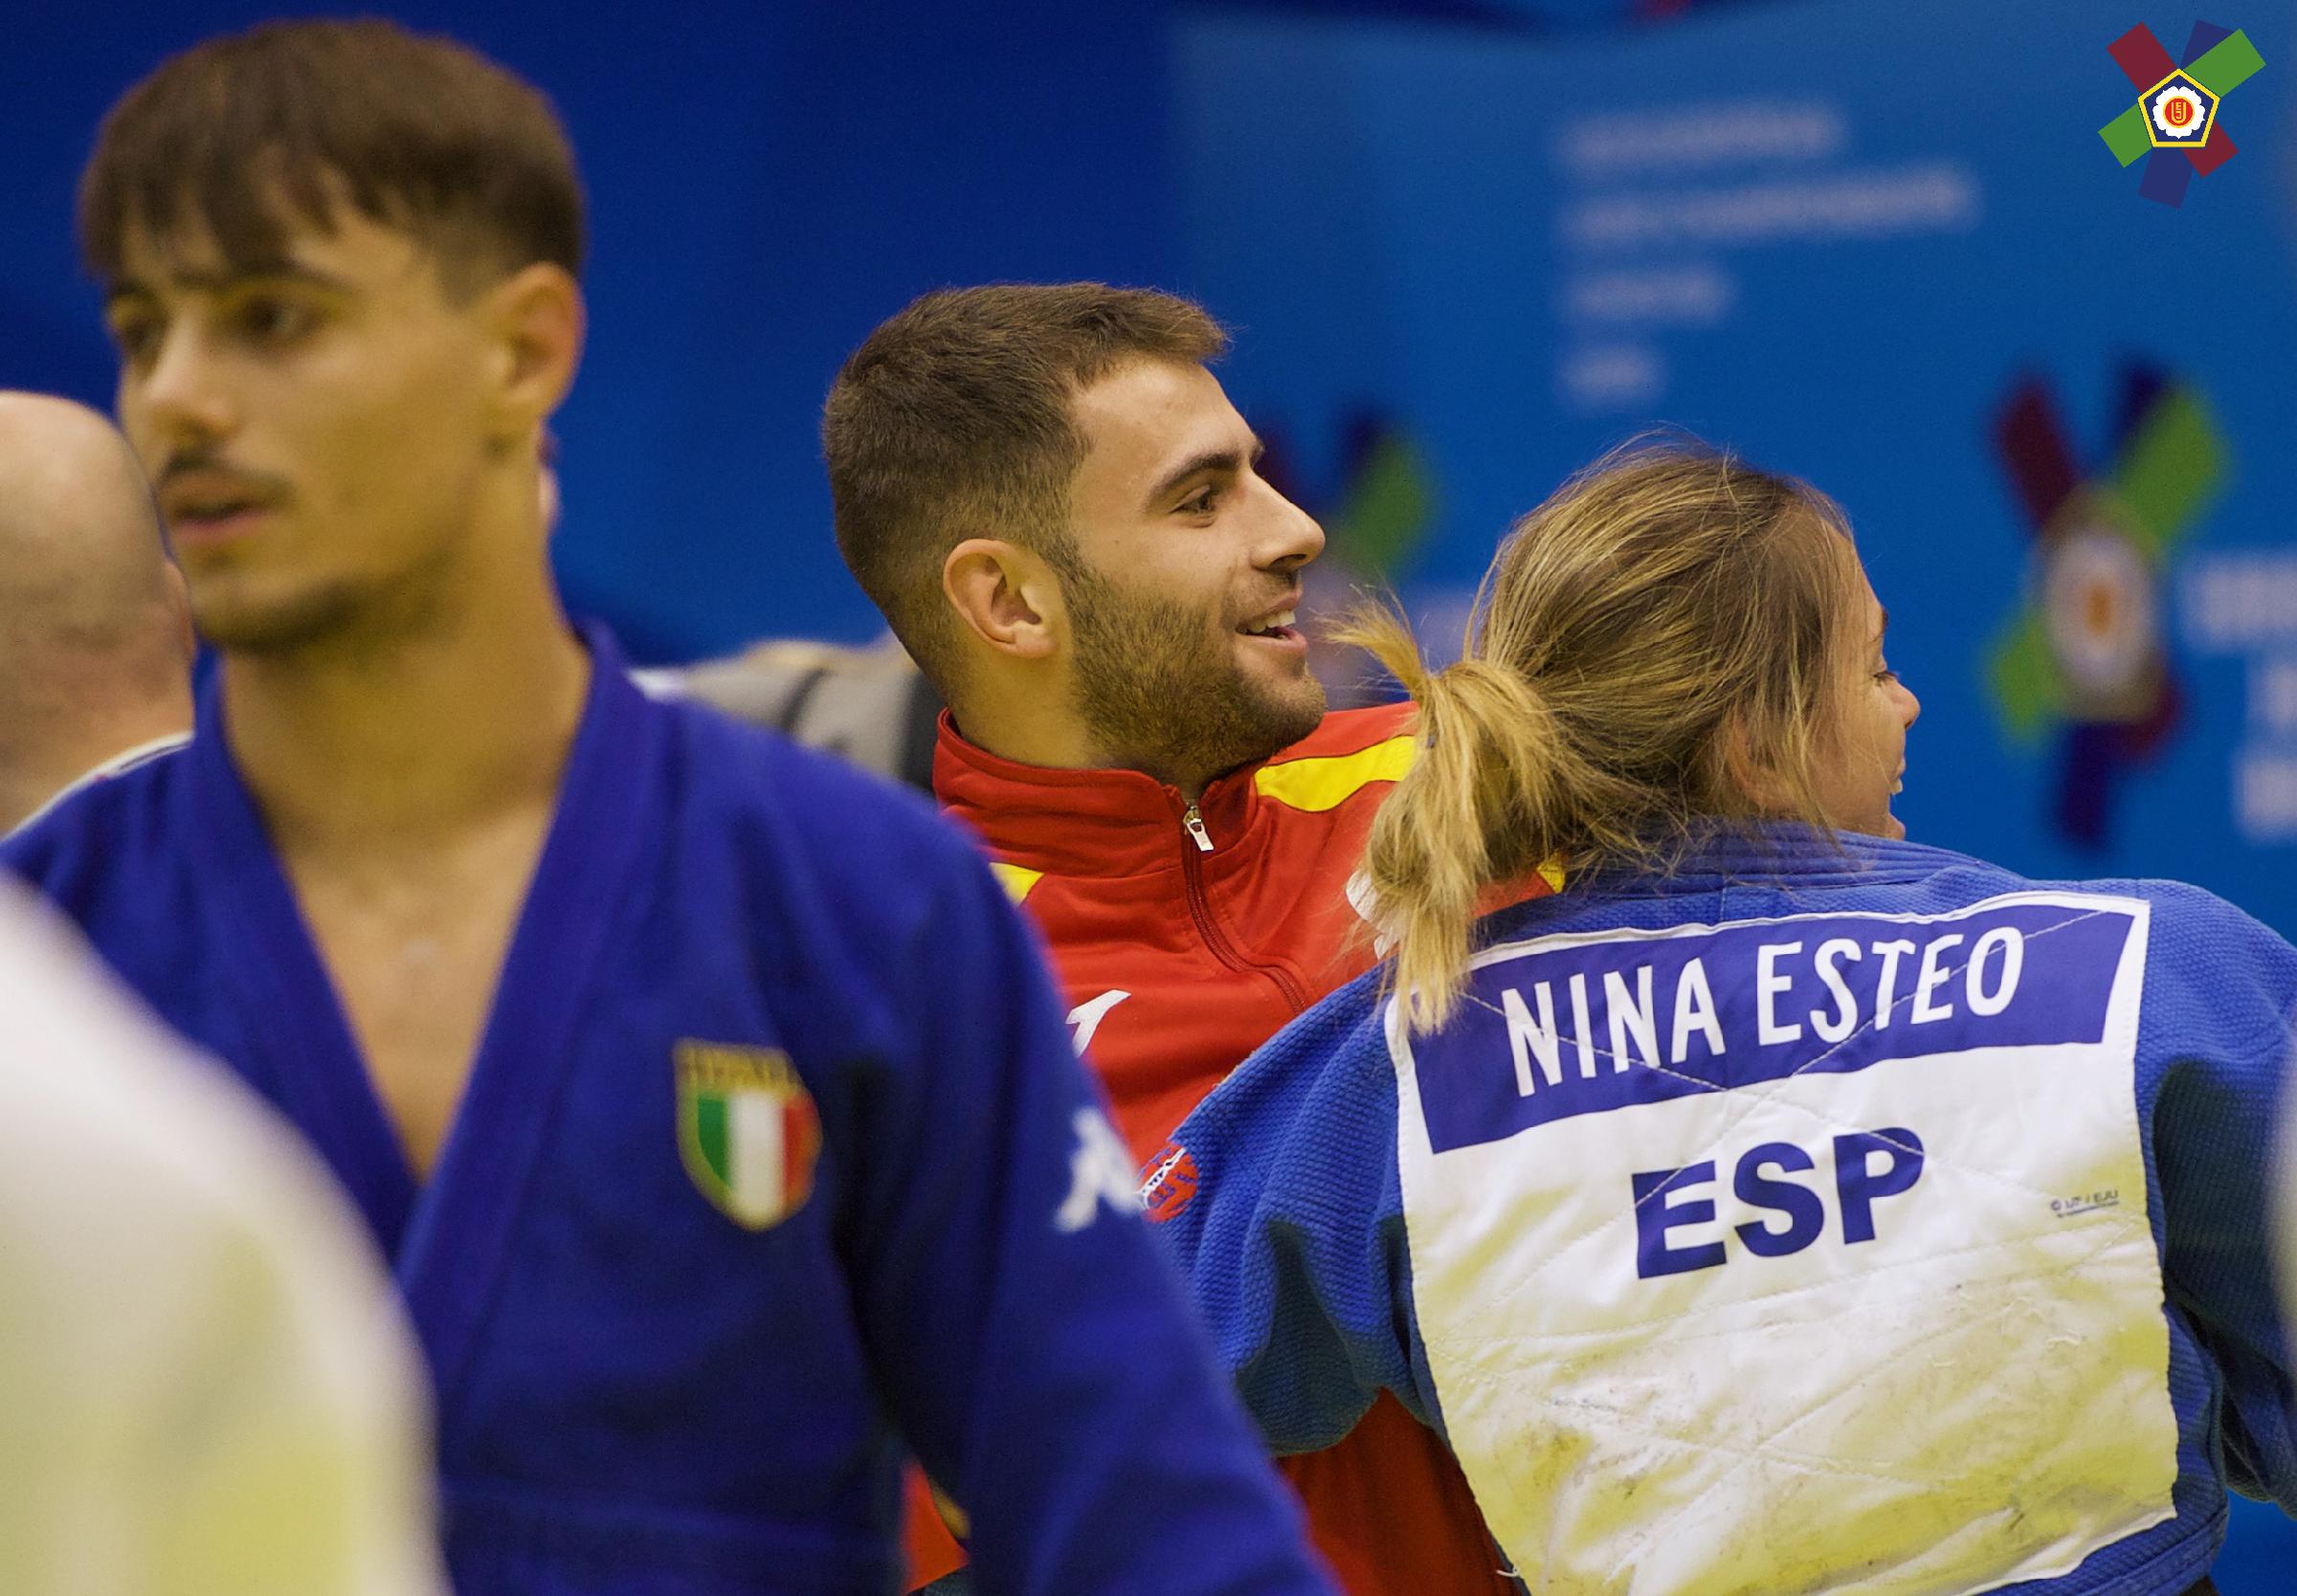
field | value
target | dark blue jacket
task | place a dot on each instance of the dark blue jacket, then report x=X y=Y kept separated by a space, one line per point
x=774 y=1145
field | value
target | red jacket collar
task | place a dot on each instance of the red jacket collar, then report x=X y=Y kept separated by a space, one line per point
x=1083 y=822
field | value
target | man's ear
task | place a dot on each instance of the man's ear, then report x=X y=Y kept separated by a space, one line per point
x=1006 y=595
x=536 y=319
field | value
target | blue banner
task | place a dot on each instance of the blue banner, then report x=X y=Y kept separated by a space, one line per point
x=1894 y=258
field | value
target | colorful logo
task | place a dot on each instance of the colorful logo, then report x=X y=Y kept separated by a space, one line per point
x=2084 y=659
x=1167 y=1182
x=748 y=1130
x=2174 y=126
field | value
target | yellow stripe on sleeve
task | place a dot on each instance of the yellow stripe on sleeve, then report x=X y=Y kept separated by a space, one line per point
x=1015 y=879
x=1328 y=781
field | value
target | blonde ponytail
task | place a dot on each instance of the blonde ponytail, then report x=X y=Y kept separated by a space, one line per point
x=1482 y=804
x=1666 y=612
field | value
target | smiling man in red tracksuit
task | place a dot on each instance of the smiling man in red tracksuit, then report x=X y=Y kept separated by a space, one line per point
x=1055 y=504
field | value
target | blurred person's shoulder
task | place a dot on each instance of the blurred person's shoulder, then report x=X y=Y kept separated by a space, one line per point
x=869 y=706
x=98 y=834
x=207 y=1305
x=117 y=765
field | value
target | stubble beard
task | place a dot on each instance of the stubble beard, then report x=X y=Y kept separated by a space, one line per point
x=1153 y=696
x=340 y=619
x=293 y=625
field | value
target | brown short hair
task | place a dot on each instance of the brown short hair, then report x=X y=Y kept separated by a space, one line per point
x=954 y=420
x=245 y=133
x=1668 y=614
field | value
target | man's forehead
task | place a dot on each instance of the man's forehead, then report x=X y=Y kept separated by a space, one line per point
x=1154 y=407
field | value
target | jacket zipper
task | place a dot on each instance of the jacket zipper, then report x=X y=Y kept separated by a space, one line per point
x=1193 y=824
x=1192 y=869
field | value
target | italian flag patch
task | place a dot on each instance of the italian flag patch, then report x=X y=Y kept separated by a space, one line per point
x=748 y=1130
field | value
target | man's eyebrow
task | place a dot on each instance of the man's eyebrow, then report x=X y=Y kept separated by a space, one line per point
x=1882 y=629
x=1226 y=461
x=213 y=282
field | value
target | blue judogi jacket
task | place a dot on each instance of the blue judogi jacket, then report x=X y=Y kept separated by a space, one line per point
x=774 y=1141
x=1816 y=1218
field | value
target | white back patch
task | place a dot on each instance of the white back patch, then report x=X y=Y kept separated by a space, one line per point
x=1804 y=1254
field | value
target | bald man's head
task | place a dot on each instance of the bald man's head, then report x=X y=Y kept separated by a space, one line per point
x=95 y=648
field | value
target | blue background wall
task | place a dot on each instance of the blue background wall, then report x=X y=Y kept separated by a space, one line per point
x=767 y=183
x=1466 y=246
x=1846 y=249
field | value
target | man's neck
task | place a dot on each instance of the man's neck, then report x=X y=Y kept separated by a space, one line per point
x=407 y=741
x=1016 y=721
x=1064 y=747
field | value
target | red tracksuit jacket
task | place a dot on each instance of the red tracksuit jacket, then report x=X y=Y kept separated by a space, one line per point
x=1184 y=937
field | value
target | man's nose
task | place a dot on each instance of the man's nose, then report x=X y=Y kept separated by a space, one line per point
x=1293 y=539
x=179 y=398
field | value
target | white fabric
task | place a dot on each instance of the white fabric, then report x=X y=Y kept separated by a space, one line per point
x=205 y=1386
x=1977 y=1394
x=755 y=1147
